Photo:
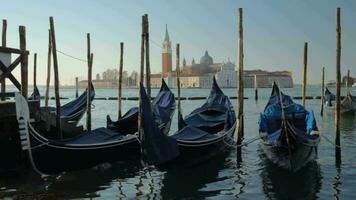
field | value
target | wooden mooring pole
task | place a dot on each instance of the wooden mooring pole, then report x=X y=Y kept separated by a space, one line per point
x=34 y=71
x=304 y=90
x=347 y=80
x=142 y=66
x=24 y=62
x=3 y=44
x=56 y=79
x=48 y=67
x=256 y=89
x=120 y=79
x=322 y=91
x=240 y=117
x=178 y=77
x=89 y=60
x=147 y=49
x=76 y=87
x=337 y=100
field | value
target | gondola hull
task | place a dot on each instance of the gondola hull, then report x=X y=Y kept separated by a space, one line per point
x=53 y=158
x=302 y=155
x=191 y=153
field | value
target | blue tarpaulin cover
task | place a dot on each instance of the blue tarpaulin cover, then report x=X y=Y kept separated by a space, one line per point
x=300 y=121
x=156 y=145
x=74 y=106
x=163 y=107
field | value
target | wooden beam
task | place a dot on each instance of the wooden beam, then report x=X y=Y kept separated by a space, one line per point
x=322 y=91
x=147 y=49
x=10 y=76
x=338 y=80
x=56 y=79
x=240 y=117
x=90 y=60
x=120 y=79
x=6 y=71
x=76 y=87
x=13 y=50
x=178 y=78
x=24 y=62
x=304 y=89
x=256 y=89
x=142 y=61
x=4 y=30
x=34 y=71
x=48 y=66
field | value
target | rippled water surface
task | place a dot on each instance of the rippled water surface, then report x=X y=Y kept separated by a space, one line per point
x=220 y=178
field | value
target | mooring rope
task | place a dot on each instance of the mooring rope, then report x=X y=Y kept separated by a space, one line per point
x=331 y=142
x=233 y=143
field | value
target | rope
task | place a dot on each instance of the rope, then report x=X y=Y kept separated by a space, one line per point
x=331 y=142
x=82 y=60
x=233 y=143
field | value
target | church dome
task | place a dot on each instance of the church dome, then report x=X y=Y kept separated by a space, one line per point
x=206 y=59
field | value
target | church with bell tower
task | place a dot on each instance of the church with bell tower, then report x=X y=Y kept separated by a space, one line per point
x=166 y=55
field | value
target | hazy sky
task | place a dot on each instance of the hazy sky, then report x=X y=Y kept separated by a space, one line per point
x=274 y=32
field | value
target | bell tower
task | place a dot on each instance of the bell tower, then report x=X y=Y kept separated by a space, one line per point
x=166 y=55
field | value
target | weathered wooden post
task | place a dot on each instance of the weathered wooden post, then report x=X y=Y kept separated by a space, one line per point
x=337 y=100
x=147 y=49
x=322 y=91
x=240 y=117
x=120 y=78
x=34 y=71
x=89 y=58
x=56 y=79
x=24 y=62
x=178 y=77
x=48 y=67
x=304 y=90
x=347 y=80
x=142 y=62
x=4 y=30
x=76 y=87
x=256 y=89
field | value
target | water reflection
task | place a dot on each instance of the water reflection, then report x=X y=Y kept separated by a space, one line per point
x=283 y=184
x=337 y=183
x=193 y=181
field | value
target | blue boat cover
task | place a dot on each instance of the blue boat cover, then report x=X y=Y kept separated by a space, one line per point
x=157 y=147
x=212 y=115
x=299 y=121
x=99 y=135
x=329 y=97
x=78 y=104
x=74 y=106
x=190 y=133
x=163 y=107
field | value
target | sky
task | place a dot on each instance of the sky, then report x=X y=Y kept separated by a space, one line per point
x=274 y=33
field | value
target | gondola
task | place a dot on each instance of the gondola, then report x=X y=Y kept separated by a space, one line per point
x=87 y=149
x=205 y=132
x=35 y=94
x=348 y=105
x=163 y=108
x=328 y=97
x=289 y=132
x=71 y=112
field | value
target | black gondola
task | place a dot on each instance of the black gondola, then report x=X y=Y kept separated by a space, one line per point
x=85 y=150
x=348 y=105
x=289 y=132
x=71 y=112
x=329 y=97
x=35 y=94
x=207 y=131
x=163 y=109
